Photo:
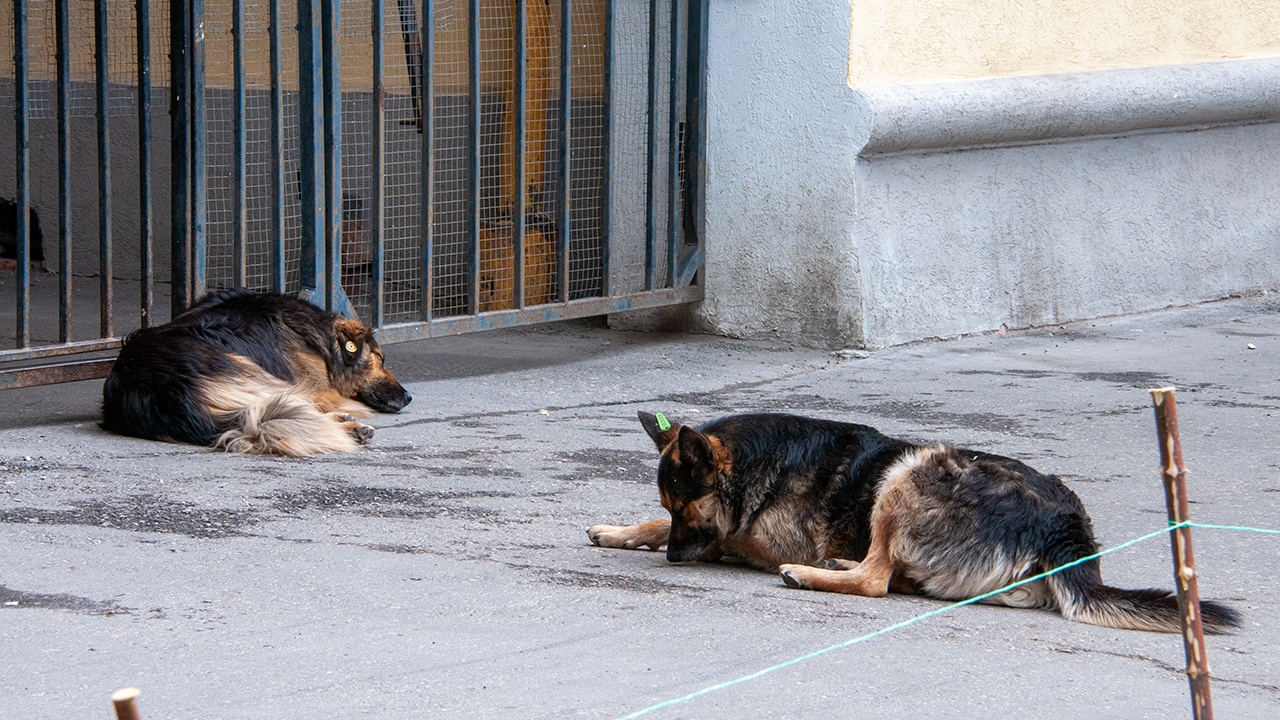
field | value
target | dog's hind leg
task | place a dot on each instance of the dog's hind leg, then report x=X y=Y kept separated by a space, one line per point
x=873 y=576
x=899 y=583
x=652 y=535
x=869 y=578
x=293 y=427
x=267 y=419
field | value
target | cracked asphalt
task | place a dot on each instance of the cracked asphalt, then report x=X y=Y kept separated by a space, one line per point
x=443 y=571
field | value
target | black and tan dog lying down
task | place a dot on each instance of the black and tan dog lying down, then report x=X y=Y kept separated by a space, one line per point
x=842 y=508
x=254 y=373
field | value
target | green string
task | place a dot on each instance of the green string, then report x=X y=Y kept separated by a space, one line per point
x=932 y=613
x=1237 y=528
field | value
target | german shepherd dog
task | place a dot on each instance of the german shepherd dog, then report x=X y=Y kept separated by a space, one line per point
x=254 y=373
x=842 y=508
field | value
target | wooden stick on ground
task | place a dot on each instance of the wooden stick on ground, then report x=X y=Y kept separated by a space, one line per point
x=1174 y=474
x=126 y=703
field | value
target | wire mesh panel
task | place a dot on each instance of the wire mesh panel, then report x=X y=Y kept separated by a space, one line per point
x=434 y=165
x=448 y=88
x=402 y=260
x=256 y=114
x=523 y=153
x=80 y=94
x=588 y=161
x=42 y=61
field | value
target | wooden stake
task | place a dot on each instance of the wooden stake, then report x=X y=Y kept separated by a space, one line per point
x=126 y=703
x=1174 y=474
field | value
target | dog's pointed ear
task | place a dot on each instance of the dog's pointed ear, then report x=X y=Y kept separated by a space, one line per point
x=661 y=436
x=695 y=448
x=350 y=336
x=705 y=452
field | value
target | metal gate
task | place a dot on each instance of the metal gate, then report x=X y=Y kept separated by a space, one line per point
x=432 y=167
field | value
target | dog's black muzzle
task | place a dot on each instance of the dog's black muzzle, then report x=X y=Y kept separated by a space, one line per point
x=686 y=544
x=387 y=397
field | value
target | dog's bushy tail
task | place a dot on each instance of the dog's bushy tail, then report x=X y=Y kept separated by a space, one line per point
x=268 y=417
x=1081 y=596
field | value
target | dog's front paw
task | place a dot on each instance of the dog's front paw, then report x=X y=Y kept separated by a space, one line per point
x=652 y=535
x=838 y=564
x=613 y=536
x=361 y=432
x=796 y=576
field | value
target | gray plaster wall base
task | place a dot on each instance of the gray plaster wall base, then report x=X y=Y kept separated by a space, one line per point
x=885 y=214
x=1039 y=225
x=965 y=242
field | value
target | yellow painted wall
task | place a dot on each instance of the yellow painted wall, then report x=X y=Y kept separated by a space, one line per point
x=908 y=40
x=497 y=41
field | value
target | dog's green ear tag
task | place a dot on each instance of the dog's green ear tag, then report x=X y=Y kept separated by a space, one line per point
x=663 y=424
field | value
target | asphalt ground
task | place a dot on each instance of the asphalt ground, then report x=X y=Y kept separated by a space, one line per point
x=443 y=571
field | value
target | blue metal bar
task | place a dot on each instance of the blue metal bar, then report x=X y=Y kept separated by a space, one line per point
x=330 y=19
x=56 y=373
x=564 y=227
x=521 y=179
x=62 y=15
x=586 y=307
x=199 y=191
x=22 y=149
x=145 y=271
x=48 y=351
x=277 y=152
x=473 y=156
x=311 y=125
x=105 y=269
x=180 y=154
x=651 y=157
x=697 y=159
x=428 y=163
x=673 y=145
x=606 y=231
x=378 y=180
x=239 y=178
x=411 y=35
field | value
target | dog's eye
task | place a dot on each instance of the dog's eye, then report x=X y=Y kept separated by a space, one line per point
x=351 y=346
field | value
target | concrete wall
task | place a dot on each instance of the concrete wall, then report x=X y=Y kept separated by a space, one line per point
x=1037 y=200
x=780 y=211
x=887 y=212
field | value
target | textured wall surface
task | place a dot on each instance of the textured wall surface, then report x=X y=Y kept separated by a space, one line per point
x=962 y=242
x=894 y=212
x=1032 y=201
x=911 y=40
x=780 y=156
